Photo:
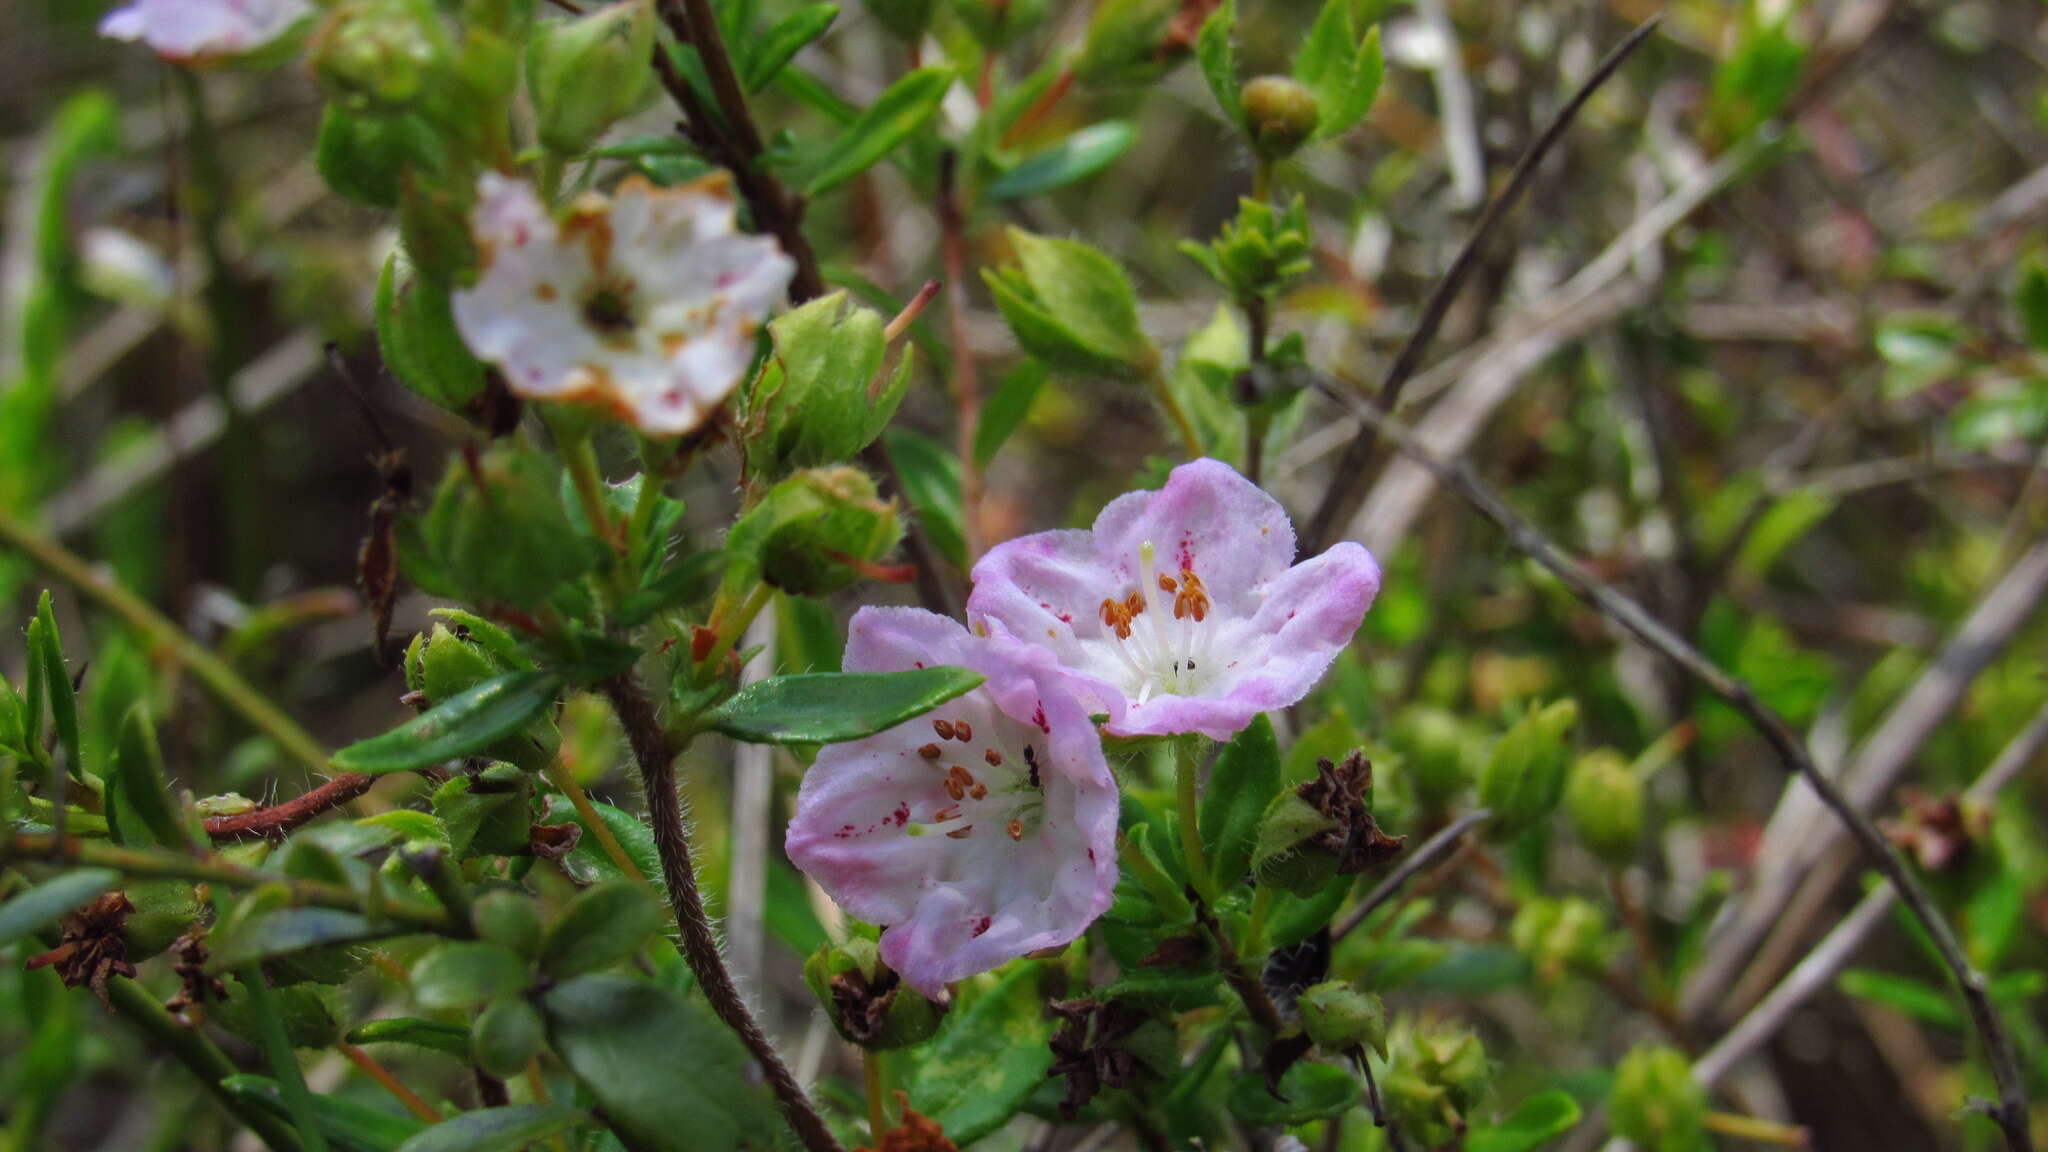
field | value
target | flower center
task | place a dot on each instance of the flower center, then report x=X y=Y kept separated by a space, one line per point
x=608 y=308
x=1164 y=646
x=988 y=791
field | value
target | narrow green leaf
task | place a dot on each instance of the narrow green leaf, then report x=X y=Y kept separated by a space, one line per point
x=458 y=726
x=2030 y=302
x=289 y=930
x=1070 y=161
x=1245 y=779
x=831 y=707
x=1534 y=1123
x=1914 y=998
x=140 y=811
x=896 y=114
x=1216 y=49
x=53 y=899
x=440 y=1037
x=668 y=1076
x=495 y=1129
x=787 y=37
x=1006 y=409
x=931 y=482
x=1341 y=66
x=687 y=580
x=348 y=1126
x=63 y=699
x=986 y=1060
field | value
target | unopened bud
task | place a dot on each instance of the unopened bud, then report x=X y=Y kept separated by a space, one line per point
x=1439 y=754
x=588 y=72
x=1524 y=777
x=1339 y=1017
x=1279 y=114
x=1436 y=1075
x=866 y=1000
x=1604 y=801
x=375 y=55
x=1656 y=1102
x=1559 y=936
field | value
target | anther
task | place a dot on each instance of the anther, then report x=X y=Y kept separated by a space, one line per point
x=961 y=833
x=929 y=751
x=955 y=789
x=963 y=731
x=944 y=728
x=979 y=791
x=951 y=812
x=1016 y=830
x=994 y=758
x=1166 y=583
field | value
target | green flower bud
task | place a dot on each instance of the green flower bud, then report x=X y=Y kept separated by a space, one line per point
x=996 y=24
x=811 y=535
x=1557 y=936
x=866 y=1000
x=1440 y=754
x=451 y=665
x=1128 y=42
x=1259 y=252
x=507 y=1036
x=1657 y=1104
x=1279 y=115
x=1339 y=1017
x=906 y=20
x=507 y=917
x=1524 y=777
x=497 y=532
x=1604 y=801
x=1435 y=1075
x=811 y=404
x=377 y=55
x=588 y=72
x=1072 y=307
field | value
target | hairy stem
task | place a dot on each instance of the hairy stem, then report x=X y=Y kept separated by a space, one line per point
x=696 y=941
x=275 y=821
x=167 y=639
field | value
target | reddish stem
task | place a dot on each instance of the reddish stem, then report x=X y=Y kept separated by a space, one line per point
x=274 y=822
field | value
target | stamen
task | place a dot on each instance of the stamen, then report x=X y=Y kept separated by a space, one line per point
x=963 y=731
x=955 y=789
x=951 y=812
x=1016 y=830
x=994 y=758
x=944 y=728
x=929 y=751
x=961 y=833
x=979 y=791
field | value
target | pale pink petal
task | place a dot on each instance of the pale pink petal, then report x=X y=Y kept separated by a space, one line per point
x=204 y=29
x=1207 y=518
x=873 y=814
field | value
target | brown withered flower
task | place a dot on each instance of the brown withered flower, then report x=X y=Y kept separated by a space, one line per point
x=862 y=1005
x=195 y=987
x=92 y=950
x=1339 y=792
x=1938 y=832
x=917 y=1133
x=1088 y=1049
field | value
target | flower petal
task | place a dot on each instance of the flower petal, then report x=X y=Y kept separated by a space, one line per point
x=1208 y=518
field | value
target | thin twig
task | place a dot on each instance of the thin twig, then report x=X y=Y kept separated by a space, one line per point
x=274 y=822
x=696 y=940
x=1340 y=499
x=953 y=229
x=2011 y=1111
x=1422 y=859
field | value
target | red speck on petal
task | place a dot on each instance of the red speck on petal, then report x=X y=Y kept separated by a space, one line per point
x=901 y=815
x=920 y=663
x=1187 y=553
x=981 y=925
x=1038 y=718
x=1091 y=855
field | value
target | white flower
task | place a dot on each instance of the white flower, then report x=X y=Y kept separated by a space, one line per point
x=204 y=29
x=645 y=304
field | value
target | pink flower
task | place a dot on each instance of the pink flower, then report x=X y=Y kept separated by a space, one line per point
x=1179 y=610
x=644 y=304
x=976 y=834
x=204 y=29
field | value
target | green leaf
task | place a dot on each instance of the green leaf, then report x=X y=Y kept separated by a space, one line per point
x=897 y=113
x=1216 y=49
x=52 y=900
x=787 y=37
x=985 y=1061
x=138 y=802
x=495 y=1129
x=668 y=1076
x=348 y=1126
x=63 y=698
x=2030 y=302
x=434 y=1034
x=416 y=335
x=832 y=707
x=1070 y=161
x=288 y=930
x=1341 y=67
x=1006 y=409
x=1243 y=782
x=1073 y=307
x=588 y=862
x=599 y=928
x=1914 y=998
x=458 y=726
x=684 y=582
x=466 y=973
x=931 y=482
x=1534 y=1123
x=1312 y=1091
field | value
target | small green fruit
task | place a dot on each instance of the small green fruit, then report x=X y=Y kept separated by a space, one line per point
x=1279 y=114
